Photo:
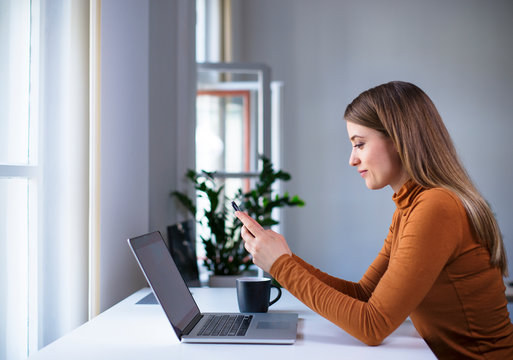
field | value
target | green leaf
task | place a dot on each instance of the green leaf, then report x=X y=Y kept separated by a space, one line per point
x=297 y=201
x=185 y=201
x=268 y=222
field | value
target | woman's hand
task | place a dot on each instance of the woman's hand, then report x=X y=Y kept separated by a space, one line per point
x=266 y=246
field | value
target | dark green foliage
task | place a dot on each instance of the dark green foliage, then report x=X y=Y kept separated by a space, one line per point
x=224 y=248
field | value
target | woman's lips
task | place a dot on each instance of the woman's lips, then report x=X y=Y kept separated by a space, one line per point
x=362 y=172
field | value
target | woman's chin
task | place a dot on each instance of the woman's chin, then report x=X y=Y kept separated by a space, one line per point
x=374 y=186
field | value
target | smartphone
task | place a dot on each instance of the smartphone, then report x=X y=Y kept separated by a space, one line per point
x=235 y=206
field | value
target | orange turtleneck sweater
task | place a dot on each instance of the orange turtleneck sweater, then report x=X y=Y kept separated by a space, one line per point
x=431 y=268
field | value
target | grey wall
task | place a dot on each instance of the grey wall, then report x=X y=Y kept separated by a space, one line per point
x=147 y=102
x=124 y=144
x=172 y=97
x=328 y=51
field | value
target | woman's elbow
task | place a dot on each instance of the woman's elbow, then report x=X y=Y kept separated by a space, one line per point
x=373 y=336
x=373 y=340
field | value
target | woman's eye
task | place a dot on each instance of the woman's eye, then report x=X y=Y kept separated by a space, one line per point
x=358 y=145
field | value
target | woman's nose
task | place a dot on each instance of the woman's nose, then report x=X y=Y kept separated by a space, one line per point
x=353 y=159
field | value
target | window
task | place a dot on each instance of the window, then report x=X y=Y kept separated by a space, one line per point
x=18 y=177
x=43 y=184
x=223 y=131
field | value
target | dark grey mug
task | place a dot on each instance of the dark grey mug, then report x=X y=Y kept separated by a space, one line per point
x=254 y=293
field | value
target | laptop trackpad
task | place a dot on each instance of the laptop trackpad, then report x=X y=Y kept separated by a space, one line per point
x=280 y=325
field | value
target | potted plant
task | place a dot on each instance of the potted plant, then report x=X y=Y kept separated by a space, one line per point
x=224 y=248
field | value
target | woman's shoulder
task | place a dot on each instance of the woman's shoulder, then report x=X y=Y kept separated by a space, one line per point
x=439 y=209
x=439 y=198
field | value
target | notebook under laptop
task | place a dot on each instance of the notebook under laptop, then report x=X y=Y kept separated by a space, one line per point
x=184 y=315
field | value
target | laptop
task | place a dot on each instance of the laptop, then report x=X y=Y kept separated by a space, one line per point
x=192 y=326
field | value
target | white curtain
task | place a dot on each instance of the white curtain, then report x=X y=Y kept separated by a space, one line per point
x=64 y=162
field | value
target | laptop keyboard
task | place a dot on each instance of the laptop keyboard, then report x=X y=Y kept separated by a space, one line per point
x=226 y=325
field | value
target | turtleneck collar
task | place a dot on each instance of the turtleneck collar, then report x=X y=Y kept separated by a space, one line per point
x=406 y=194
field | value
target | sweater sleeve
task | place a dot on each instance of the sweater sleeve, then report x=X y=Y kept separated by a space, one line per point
x=424 y=246
x=349 y=288
x=361 y=290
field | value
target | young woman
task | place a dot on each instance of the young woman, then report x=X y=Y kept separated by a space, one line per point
x=443 y=260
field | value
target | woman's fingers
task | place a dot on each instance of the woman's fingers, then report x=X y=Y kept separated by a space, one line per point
x=246 y=235
x=251 y=224
x=248 y=247
x=265 y=246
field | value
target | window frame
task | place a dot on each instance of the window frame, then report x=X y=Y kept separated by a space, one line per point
x=263 y=73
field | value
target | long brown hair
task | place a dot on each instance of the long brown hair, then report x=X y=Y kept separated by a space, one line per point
x=405 y=114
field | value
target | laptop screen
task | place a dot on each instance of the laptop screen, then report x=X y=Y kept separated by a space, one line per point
x=165 y=279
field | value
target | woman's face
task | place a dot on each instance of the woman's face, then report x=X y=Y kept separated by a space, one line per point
x=375 y=158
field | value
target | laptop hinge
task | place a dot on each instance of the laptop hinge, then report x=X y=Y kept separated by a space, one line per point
x=192 y=324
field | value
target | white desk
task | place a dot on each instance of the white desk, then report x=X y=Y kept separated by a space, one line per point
x=129 y=331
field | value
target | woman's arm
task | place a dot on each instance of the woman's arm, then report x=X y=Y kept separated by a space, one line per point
x=361 y=290
x=428 y=240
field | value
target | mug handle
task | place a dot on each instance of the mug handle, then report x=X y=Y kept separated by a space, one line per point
x=277 y=296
